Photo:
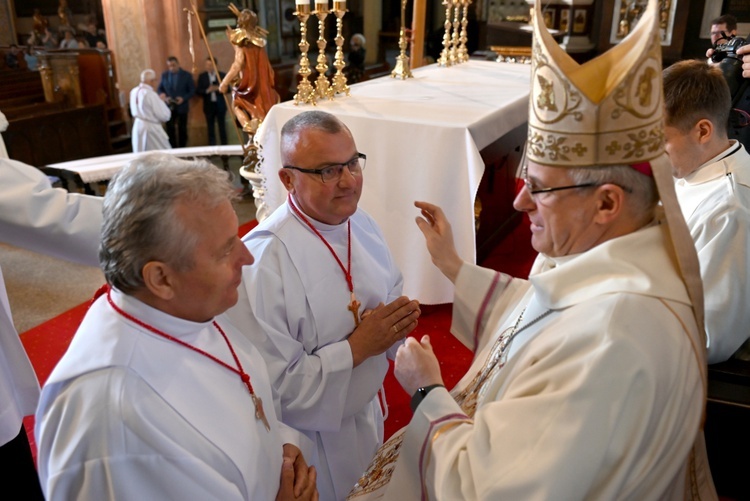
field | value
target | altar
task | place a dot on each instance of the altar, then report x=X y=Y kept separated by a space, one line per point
x=424 y=139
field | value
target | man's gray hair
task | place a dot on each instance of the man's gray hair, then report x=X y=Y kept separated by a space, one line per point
x=314 y=119
x=643 y=193
x=140 y=219
x=147 y=75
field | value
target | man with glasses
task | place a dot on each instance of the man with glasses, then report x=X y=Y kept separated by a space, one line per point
x=323 y=301
x=588 y=380
x=713 y=188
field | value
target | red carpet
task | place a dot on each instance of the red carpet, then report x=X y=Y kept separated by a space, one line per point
x=47 y=342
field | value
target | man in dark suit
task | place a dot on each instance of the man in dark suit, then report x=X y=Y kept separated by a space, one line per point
x=214 y=105
x=176 y=88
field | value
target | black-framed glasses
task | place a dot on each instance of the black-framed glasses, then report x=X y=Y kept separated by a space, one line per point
x=332 y=172
x=537 y=191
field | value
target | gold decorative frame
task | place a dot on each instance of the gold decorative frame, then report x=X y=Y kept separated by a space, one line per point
x=627 y=13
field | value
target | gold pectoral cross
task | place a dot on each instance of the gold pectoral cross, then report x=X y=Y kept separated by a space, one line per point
x=354 y=308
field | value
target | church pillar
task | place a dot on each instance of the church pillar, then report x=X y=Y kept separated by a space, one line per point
x=7 y=29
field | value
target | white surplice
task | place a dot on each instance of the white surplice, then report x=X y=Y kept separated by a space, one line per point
x=52 y=221
x=293 y=305
x=128 y=414
x=601 y=396
x=715 y=201
x=149 y=112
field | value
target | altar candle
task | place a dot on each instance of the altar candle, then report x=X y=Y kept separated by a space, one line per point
x=303 y=6
x=321 y=5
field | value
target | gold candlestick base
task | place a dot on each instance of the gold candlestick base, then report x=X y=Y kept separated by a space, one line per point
x=402 y=69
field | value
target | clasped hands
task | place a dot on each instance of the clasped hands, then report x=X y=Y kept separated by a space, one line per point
x=381 y=327
x=298 y=481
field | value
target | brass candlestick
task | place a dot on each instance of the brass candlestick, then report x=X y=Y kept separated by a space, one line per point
x=463 y=53
x=305 y=91
x=402 y=69
x=453 y=53
x=339 y=79
x=444 y=59
x=321 y=83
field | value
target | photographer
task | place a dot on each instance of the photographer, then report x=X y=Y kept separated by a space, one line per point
x=722 y=28
x=176 y=88
x=727 y=53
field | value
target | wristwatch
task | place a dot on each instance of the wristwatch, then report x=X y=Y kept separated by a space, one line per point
x=419 y=395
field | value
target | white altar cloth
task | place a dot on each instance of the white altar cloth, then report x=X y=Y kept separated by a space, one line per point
x=422 y=137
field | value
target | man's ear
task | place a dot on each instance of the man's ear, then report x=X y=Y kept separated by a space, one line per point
x=286 y=178
x=704 y=130
x=157 y=277
x=610 y=203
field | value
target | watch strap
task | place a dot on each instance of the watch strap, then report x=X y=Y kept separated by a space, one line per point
x=422 y=392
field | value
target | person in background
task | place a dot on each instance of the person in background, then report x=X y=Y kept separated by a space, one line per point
x=48 y=39
x=176 y=87
x=713 y=188
x=13 y=57
x=69 y=41
x=722 y=29
x=32 y=62
x=158 y=396
x=38 y=217
x=589 y=377
x=323 y=302
x=214 y=105
x=149 y=112
x=355 y=69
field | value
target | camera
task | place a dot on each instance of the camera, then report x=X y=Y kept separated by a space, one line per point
x=730 y=63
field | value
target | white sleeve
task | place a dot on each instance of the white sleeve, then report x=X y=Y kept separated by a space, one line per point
x=49 y=220
x=721 y=242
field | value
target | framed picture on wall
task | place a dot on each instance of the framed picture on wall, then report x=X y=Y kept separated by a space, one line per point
x=627 y=13
x=564 y=20
x=549 y=18
x=579 y=21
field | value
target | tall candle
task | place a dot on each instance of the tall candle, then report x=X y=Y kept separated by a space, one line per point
x=303 y=6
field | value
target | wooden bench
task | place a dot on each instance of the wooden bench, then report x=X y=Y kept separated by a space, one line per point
x=727 y=422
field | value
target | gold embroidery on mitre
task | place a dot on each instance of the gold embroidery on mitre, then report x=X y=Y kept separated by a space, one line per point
x=546 y=98
x=607 y=111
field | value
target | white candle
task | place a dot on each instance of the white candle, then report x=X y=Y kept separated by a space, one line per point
x=302 y=2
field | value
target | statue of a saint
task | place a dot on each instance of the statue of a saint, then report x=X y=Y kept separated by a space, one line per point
x=251 y=75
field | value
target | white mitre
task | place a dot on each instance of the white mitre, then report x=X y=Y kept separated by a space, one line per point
x=607 y=111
